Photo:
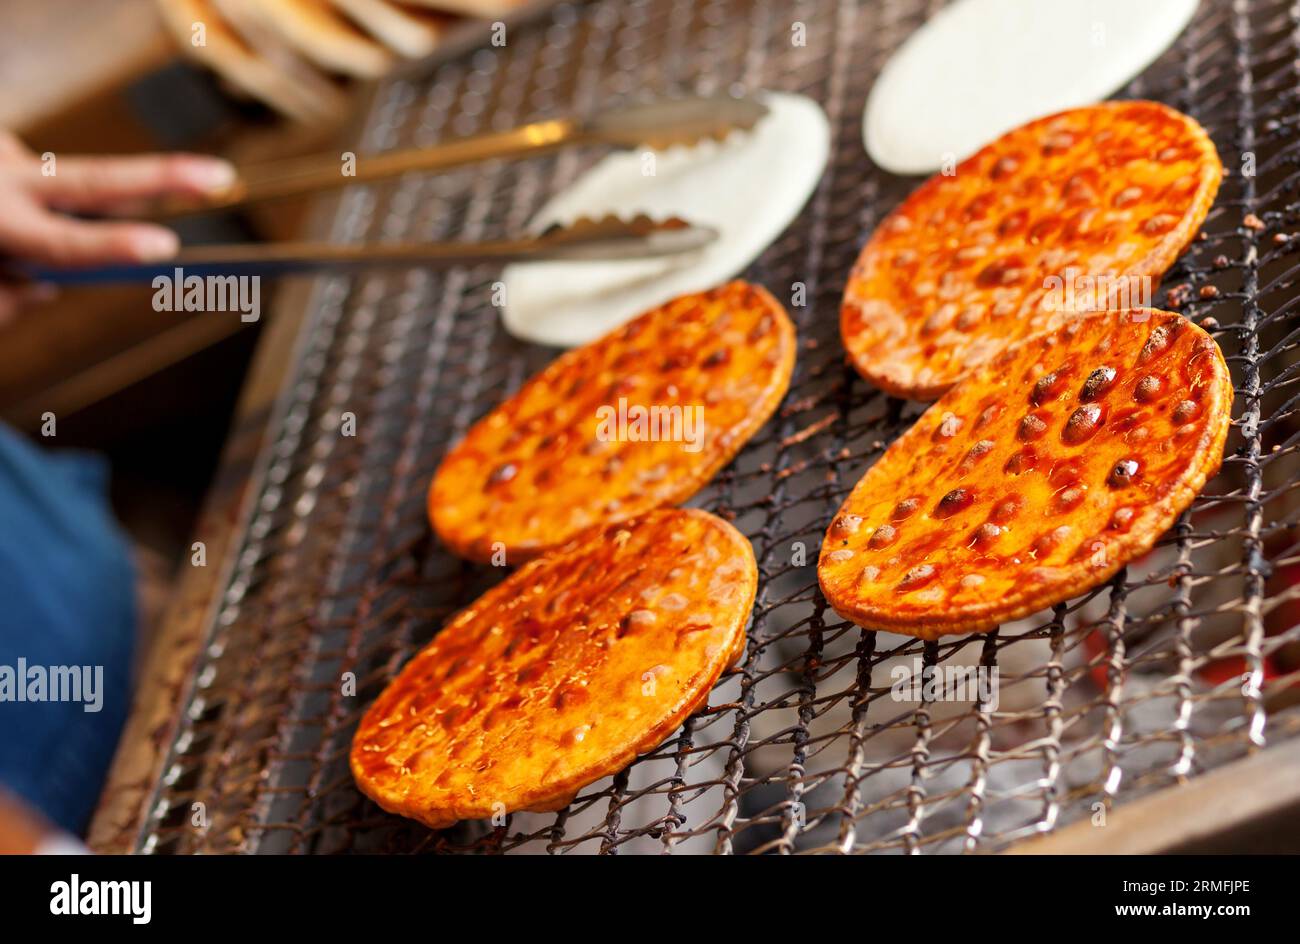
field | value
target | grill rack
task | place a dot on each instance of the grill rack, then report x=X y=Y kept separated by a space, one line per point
x=802 y=748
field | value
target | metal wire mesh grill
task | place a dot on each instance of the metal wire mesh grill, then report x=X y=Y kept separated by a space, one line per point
x=1135 y=686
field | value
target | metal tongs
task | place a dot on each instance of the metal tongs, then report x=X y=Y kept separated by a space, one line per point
x=607 y=238
x=656 y=125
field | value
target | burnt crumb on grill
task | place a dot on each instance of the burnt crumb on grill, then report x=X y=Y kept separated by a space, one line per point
x=1209 y=291
x=1251 y=221
x=808 y=431
x=801 y=405
x=790 y=470
x=1178 y=295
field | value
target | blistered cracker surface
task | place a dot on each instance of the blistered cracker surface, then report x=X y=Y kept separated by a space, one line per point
x=1034 y=479
x=961 y=268
x=534 y=472
x=563 y=673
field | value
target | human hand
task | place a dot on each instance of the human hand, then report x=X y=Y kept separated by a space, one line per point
x=35 y=197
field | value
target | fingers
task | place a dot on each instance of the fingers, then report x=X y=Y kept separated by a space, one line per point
x=33 y=235
x=102 y=184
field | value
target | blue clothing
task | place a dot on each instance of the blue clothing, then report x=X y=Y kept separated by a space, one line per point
x=67 y=615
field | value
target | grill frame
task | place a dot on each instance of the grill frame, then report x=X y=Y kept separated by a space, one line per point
x=268 y=785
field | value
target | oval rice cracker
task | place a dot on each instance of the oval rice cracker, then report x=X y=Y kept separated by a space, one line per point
x=1035 y=478
x=1079 y=211
x=563 y=673
x=640 y=419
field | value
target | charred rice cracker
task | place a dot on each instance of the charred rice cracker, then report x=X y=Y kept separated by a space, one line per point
x=543 y=466
x=563 y=673
x=961 y=269
x=1035 y=478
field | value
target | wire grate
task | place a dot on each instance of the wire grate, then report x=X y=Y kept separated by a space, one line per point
x=1130 y=688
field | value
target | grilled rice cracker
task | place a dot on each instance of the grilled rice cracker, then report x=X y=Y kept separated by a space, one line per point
x=639 y=419
x=407 y=31
x=481 y=9
x=563 y=673
x=324 y=36
x=1018 y=235
x=283 y=81
x=1035 y=478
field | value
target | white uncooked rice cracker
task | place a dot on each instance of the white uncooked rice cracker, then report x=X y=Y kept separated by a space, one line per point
x=982 y=67
x=749 y=187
